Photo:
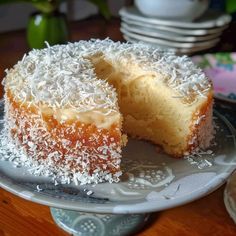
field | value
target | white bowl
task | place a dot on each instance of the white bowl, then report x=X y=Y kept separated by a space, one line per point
x=184 y=10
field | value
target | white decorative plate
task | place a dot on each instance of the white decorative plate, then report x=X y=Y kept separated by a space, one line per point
x=179 y=51
x=179 y=31
x=151 y=181
x=168 y=43
x=155 y=33
x=209 y=20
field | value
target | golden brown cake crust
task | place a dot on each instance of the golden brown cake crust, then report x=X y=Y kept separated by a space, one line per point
x=201 y=127
x=71 y=146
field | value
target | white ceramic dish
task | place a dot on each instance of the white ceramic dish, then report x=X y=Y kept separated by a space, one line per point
x=211 y=19
x=187 y=10
x=178 y=51
x=166 y=35
x=179 y=31
x=169 y=43
x=151 y=180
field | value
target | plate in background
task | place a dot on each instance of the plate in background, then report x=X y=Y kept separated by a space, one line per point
x=181 y=31
x=221 y=69
x=169 y=43
x=178 y=51
x=167 y=35
x=209 y=20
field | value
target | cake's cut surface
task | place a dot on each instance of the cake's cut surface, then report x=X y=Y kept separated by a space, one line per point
x=65 y=105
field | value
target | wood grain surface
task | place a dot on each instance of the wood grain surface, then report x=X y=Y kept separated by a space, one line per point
x=19 y=217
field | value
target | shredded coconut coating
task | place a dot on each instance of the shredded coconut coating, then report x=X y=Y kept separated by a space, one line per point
x=71 y=152
x=69 y=77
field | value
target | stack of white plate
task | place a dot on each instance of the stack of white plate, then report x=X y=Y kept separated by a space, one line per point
x=179 y=36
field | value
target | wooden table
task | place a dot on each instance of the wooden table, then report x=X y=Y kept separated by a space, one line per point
x=19 y=217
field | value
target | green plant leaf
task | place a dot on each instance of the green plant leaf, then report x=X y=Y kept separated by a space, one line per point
x=103 y=7
x=46 y=6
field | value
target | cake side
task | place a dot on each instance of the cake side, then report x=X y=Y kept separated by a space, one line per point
x=154 y=111
x=78 y=150
x=66 y=120
x=161 y=117
x=202 y=130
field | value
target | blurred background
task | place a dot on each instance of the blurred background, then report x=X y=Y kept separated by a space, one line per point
x=15 y=16
x=138 y=20
x=185 y=26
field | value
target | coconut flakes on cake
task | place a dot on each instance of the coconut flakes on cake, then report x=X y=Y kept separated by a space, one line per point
x=76 y=83
x=16 y=154
x=38 y=165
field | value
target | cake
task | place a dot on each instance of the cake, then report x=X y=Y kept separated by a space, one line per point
x=70 y=106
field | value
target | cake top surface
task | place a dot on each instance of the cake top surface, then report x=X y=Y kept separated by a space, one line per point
x=63 y=76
